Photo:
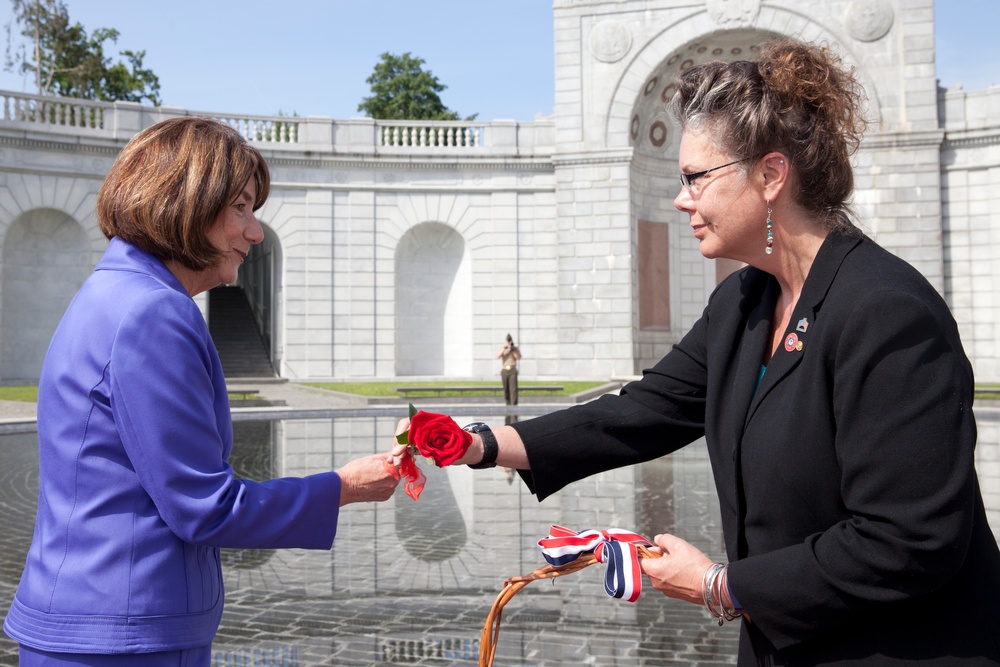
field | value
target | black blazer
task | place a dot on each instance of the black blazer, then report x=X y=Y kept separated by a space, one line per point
x=852 y=515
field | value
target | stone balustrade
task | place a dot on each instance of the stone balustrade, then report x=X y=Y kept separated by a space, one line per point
x=418 y=133
x=964 y=111
x=46 y=111
x=314 y=134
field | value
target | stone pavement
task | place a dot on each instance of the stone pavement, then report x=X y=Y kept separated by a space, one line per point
x=286 y=395
x=16 y=411
x=279 y=399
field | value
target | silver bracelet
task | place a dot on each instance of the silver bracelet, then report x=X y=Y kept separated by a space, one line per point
x=716 y=576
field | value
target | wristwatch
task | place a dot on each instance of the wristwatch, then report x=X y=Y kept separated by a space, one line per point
x=490 y=446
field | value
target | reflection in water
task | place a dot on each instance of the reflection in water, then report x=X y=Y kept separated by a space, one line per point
x=431 y=529
x=19 y=491
x=251 y=459
x=412 y=582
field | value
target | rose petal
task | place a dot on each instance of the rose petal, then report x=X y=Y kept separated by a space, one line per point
x=438 y=437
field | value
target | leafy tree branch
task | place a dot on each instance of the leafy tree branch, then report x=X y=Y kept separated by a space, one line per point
x=403 y=90
x=68 y=62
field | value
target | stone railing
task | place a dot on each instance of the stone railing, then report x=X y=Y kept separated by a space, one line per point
x=969 y=110
x=430 y=134
x=120 y=121
x=34 y=110
x=263 y=129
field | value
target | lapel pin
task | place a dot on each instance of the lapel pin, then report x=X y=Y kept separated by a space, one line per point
x=803 y=325
x=792 y=343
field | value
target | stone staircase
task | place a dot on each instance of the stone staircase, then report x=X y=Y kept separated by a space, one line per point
x=231 y=323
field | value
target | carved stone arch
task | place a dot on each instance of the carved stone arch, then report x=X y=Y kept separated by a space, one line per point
x=46 y=258
x=697 y=39
x=674 y=275
x=433 y=303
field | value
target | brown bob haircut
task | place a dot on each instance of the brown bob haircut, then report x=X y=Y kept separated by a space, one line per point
x=171 y=182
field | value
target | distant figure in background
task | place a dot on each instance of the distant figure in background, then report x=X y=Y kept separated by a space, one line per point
x=509 y=356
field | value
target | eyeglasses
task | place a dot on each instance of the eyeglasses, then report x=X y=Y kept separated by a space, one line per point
x=687 y=180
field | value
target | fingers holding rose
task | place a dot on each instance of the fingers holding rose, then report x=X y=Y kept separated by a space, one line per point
x=438 y=437
x=433 y=436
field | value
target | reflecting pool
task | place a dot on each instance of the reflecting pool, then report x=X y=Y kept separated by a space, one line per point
x=411 y=583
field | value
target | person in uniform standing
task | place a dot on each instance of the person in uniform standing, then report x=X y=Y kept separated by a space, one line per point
x=509 y=355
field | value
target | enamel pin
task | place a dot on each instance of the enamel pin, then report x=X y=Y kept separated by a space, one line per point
x=792 y=343
x=803 y=325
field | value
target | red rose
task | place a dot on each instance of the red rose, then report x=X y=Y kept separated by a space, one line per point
x=438 y=437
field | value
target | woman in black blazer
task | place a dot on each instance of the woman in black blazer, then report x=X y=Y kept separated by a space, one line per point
x=829 y=380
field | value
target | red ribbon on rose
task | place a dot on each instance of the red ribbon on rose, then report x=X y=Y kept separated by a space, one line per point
x=434 y=436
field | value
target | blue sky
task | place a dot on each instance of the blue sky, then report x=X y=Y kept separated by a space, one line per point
x=311 y=57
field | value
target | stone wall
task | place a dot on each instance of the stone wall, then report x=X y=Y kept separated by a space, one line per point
x=532 y=229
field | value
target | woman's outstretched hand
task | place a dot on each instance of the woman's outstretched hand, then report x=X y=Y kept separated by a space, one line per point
x=366 y=480
x=680 y=571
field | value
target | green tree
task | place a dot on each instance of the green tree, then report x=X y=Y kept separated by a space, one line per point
x=66 y=61
x=402 y=90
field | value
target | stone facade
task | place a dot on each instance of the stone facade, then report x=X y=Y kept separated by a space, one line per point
x=411 y=249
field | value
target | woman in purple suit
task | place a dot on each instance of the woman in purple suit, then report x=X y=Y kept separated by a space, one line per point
x=136 y=496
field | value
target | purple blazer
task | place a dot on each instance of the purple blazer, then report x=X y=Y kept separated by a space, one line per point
x=136 y=496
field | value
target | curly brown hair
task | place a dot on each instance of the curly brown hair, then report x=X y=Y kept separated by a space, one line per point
x=795 y=98
x=171 y=182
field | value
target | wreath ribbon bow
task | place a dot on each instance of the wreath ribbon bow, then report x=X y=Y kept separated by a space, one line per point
x=568 y=551
x=618 y=548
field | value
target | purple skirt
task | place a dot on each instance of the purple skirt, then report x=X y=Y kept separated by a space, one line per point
x=193 y=657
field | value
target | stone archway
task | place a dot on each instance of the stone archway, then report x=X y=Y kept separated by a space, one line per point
x=664 y=307
x=244 y=318
x=433 y=300
x=655 y=139
x=46 y=258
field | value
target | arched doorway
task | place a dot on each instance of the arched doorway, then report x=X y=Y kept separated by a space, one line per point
x=433 y=300
x=45 y=261
x=668 y=265
x=242 y=317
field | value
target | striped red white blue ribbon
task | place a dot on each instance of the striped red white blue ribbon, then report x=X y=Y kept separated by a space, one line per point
x=617 y=548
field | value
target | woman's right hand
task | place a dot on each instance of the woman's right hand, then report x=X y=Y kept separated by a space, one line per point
x=366 y=480
x=679 y=571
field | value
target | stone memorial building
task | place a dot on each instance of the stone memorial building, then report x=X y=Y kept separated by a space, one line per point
x=411 y=248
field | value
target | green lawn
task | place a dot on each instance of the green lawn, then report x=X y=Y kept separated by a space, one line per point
x=29 y=393
x=986 y=386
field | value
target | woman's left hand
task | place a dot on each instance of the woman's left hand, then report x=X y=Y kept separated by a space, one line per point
x=680 y=571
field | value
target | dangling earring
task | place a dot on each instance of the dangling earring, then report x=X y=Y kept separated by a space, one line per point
x=770 y=234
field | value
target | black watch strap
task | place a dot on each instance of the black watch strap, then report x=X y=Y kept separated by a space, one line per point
x=490 y=447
